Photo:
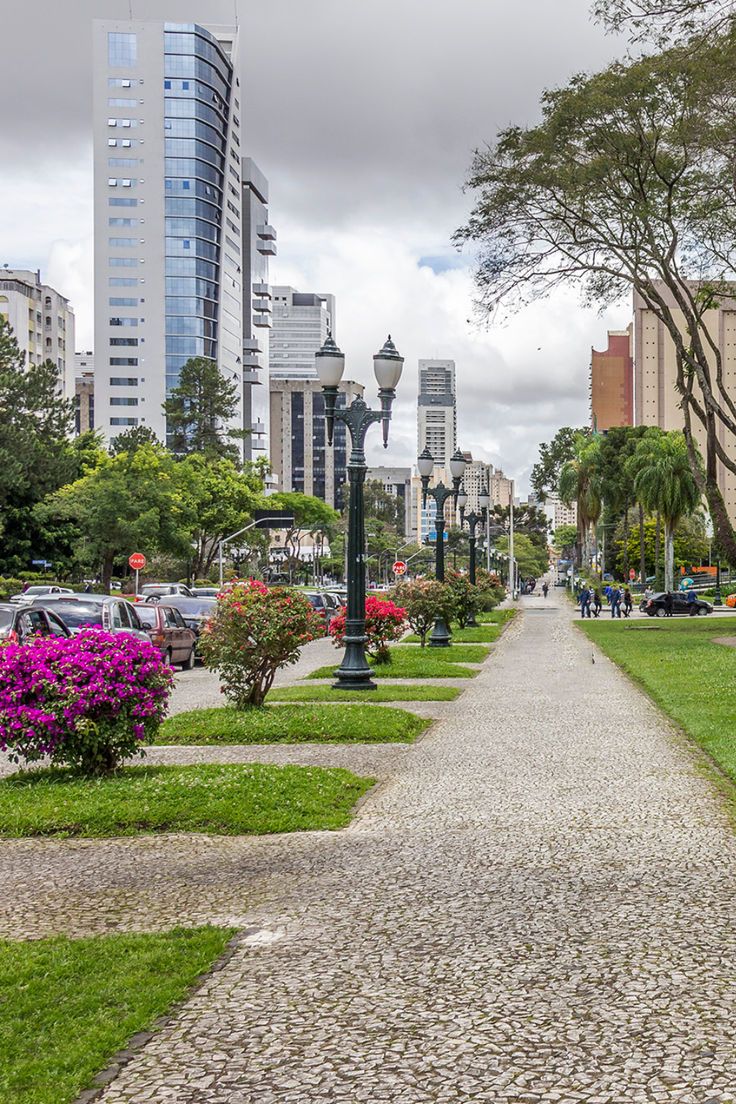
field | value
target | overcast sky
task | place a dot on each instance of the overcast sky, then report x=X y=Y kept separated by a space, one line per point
x=363 y=116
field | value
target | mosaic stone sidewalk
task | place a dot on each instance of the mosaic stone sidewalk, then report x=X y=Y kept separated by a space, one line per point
x=538 y=904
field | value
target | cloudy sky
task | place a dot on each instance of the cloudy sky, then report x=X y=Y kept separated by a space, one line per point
x=364 y=116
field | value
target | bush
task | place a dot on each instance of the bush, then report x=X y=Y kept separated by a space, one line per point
x=384 y=623
x=9 y=586
x=424 y=600
x=87 y=701
x=465 y=597
x=253 y=632
x=491 y=590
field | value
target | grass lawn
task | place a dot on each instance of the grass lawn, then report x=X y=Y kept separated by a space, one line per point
x=422 y=663
x=292 y=724
x=67 y=1005
x=253 y=799
x=690 y=677
x=495 y=617
x=382 y=694
x=480 y=634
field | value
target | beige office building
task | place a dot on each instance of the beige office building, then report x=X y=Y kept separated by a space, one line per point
x=656 y=399
x=42 y=320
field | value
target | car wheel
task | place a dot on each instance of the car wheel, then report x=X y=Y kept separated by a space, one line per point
x=703 y=612
x=168 y=658
x=660 y=611
x=190 y=661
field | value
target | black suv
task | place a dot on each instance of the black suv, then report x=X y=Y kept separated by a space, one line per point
x=654 y=606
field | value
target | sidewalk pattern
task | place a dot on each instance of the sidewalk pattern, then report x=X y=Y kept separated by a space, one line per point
x=538 y=905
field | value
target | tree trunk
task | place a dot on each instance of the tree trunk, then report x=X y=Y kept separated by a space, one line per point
x=626 y=542
x=657 y=549
x=642 y=550
x=107 y=565
x=669 y=555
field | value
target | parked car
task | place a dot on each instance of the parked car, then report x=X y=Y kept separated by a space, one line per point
x=169 y=632
x=335 y=602
x=78 y=611
x=322 y=604
x=161 y=589
x=654 y=606
x=205 y=592
x=34 y=591
x=20 y=623
x=195 y=611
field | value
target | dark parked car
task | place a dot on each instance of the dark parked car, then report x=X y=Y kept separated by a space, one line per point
x=169 y=633
x=654 y=606
x=20 y=623
x=195 y=611
x=77 y=611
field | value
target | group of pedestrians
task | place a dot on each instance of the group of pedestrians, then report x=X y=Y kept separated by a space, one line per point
x=591 y=603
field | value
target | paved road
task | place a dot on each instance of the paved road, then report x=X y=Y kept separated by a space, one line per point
x=539 y=905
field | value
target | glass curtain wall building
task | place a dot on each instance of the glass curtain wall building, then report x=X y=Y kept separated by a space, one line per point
x=168 y=199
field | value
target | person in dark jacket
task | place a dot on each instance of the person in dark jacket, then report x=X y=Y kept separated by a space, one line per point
x=628 y=604
x=597 y=604
x=615 y=600
x=585 y=597
x=692 y=603
x=669 y=604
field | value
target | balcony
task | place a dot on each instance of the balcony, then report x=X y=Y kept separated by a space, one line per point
x=266 y=232
x=251 y=360
x=263 y=306
x=267 y=248
x=263 y=291
x=250 y=376
x=251 y=345
x=262 y=320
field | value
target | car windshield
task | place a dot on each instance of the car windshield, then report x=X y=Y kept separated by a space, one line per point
x=146 y=614
x=76 y=614
x=6 y=618
x=191 y=607
x=37 y=590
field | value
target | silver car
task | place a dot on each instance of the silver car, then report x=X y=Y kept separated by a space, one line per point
x=78 y=611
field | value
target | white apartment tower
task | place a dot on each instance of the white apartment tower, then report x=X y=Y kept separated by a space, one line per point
x=42 y=321
x=167 y=210
x=301 y=322
x=437 y=410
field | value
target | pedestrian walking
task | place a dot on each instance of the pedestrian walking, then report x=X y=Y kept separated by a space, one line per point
x=597 y=604
x=585 y=597
x=692 y=606
x=615 y=600
x=608 y=591
x=628 y=604
x=669 y=603
x=545 y=589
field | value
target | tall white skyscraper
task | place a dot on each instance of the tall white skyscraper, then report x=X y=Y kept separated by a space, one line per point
x=301 y=322
x=167 y=209
x=436 y=409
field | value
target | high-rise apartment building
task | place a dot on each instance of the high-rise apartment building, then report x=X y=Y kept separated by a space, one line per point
x=84 y=391
x=42 y=320
x=300 y=456
x=259 y=244
x=612 y=382
x=397 y=482
x=167 y=210
x=437 y=410
x=559 y=513
x=301 y=322
x=657 y=401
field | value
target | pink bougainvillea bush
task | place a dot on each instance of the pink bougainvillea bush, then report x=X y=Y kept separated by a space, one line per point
x=254 y=631
x=87 y=701
x=384 y=623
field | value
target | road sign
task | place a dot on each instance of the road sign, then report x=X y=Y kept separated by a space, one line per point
x=399 y=568
x=137 y=561
x=632 y=574
x=273 y=519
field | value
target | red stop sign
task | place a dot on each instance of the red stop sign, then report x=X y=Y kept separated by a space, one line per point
x=399 y=567
x=632 y=573
x=137 y=561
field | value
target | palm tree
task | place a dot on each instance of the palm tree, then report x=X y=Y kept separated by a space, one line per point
x=580 y=482
x=665 y=485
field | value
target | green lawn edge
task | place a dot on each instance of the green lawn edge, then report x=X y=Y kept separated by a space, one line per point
x=67 y=1006
x=214 y=799
x=293 y=724
x=415 y=692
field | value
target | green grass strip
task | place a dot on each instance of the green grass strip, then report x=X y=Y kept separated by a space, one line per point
x=419 y=663
x=495 y=617
x=293 y=724
x=252 y=799
x=381 y=694
x=689 y=676
x=479 y=634
x=67 y=1005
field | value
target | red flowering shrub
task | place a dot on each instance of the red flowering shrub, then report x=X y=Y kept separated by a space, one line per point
x=87 y=701
x=384 y=623
x=254 y=631
x=424 y=601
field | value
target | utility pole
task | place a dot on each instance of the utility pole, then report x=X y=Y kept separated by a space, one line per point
x=512 y=561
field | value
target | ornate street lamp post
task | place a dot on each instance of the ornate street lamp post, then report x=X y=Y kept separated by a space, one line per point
x=440 y=637
x=473 y=521
x=354 y=672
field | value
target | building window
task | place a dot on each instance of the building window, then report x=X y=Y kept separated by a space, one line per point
x=117 y=102
x=122 y=49
x=119 y=301
x=124 y=362
x=124 y=421
x=123 y=321
x=123 y=381
x=125 y=262
x=115 y=401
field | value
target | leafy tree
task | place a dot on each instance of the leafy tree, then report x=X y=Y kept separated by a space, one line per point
x=552 y=456
x=564 y=540
x=528 y=519
x=132 y=502
x=465 y=597
x=531 y=559
x=219 y=499
x=133 y=438
x=580 y=482
x=617 y=446
x=382 y=505
x=627 y=184
x=664 y=482
x=199 y=409
x=423 y=601
x=664 y=19
x=690 y=545
x=311 y=516
x=36 y=454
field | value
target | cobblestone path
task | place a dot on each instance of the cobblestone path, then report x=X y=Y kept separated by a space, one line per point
x=537 y=905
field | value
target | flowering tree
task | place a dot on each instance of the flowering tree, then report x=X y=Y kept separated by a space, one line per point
x=254 y=631
x=465 y=597
x=384 y=623
x=424 y=600
x=87 y=701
